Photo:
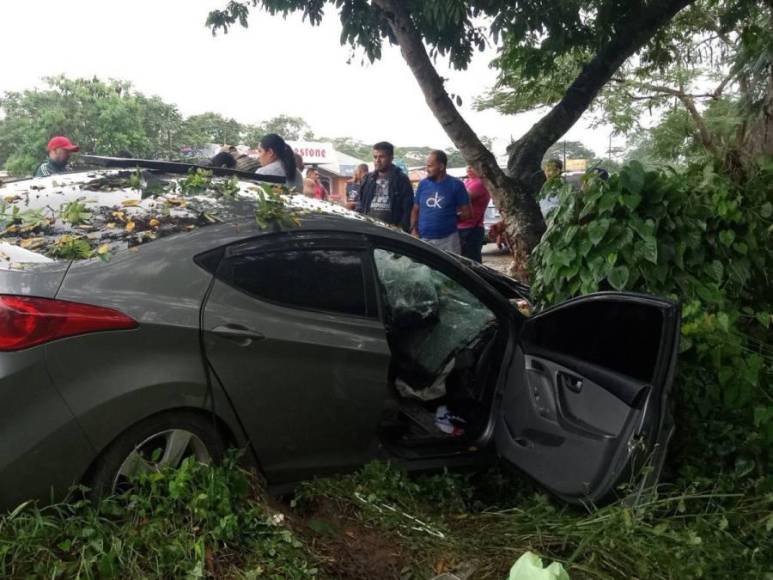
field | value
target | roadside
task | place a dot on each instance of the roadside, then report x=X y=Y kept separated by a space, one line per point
x=496 y=258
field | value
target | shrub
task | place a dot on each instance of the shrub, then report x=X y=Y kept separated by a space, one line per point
x=698 y=237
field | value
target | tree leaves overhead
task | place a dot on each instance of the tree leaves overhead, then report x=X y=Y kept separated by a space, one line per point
x=543 y=30
x=711 y=50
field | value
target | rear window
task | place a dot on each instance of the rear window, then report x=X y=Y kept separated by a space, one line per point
x=311 y=279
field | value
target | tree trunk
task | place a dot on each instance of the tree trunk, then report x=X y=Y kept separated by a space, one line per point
x=525 y=223
x=515 y=193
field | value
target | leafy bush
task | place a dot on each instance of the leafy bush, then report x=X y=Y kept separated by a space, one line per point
x=193 y=522
x=698 y=237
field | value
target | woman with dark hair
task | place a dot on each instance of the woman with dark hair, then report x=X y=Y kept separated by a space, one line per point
x=276 y=158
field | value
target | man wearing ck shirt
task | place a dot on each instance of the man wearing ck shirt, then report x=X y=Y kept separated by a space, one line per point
x=440 y=202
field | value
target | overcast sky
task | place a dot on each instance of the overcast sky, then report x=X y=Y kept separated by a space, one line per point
x=273 y=67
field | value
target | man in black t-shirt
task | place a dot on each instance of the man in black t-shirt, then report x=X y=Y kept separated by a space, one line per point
x=386 y=194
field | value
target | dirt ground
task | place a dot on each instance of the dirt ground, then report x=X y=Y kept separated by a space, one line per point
x=496 y=258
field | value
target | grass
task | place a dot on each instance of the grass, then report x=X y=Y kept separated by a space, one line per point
x=379 y=523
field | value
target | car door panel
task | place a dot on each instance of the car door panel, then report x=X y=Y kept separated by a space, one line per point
x=629 y=390
x=586 y=386
x=310 y=392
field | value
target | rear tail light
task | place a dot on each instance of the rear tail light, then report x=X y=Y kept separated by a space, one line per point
x=26 y=321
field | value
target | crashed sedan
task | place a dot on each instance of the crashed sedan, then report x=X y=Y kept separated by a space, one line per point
x=147 y=317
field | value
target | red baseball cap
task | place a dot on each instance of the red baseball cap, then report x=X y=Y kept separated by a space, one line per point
x=60 y=142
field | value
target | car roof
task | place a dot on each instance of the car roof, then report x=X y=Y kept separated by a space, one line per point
x=106 y=211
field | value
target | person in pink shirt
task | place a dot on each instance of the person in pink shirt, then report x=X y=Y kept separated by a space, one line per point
x=319 y=190
x=471 y=232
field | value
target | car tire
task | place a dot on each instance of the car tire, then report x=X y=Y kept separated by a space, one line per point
x=164 y=440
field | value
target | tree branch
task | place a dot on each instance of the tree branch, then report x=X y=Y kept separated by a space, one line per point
x=641 y=24
x=516 y=201
x=723 y=85
x=689 y=103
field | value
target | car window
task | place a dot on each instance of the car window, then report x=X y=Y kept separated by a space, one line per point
x=429 y=315
x=328 y=280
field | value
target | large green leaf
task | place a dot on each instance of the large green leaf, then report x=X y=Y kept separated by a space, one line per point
x=727 y=237
x=632 y=177
x=650 y=249
x=631 y=200
x=597 y=230
x=607 y=201
x=618 y=277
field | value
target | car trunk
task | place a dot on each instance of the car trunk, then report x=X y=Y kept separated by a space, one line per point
x=33 y=279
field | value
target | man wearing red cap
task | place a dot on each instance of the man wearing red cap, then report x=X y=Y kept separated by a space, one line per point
x=59 y=151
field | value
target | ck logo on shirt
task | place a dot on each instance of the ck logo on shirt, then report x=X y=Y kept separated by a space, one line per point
x=435 y=201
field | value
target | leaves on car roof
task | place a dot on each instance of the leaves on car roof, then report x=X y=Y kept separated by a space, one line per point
x=94 y=217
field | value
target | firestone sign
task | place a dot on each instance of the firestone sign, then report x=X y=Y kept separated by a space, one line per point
x=314 y=152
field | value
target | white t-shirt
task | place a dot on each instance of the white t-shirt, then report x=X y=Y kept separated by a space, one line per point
x=273 y=168
x=276 y=168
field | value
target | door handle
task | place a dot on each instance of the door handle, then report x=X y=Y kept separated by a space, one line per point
x=238 y=332
x=571 y=382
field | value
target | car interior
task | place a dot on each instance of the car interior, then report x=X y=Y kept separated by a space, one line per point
x=444 y=344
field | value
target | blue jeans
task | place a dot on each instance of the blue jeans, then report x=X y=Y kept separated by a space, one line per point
x=472 y=243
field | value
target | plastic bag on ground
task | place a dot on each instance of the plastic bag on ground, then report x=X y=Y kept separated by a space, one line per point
x=529 y=567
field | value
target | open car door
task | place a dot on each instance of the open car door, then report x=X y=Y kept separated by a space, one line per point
x=587 y=393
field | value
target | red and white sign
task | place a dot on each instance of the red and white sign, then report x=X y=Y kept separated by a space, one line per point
x=314 y=152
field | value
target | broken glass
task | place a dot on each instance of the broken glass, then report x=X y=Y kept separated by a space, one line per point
x=431 y=317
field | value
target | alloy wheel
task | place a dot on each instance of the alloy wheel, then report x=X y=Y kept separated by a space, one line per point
x=165 y=449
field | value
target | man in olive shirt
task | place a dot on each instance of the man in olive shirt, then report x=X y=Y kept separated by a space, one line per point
x=59 y=151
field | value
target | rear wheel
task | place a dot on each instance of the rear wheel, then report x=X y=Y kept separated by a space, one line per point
x=161 y=441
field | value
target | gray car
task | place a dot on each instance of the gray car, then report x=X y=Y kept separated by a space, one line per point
x=155 y=321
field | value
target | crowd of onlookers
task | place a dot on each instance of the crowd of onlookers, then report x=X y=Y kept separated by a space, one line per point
x=443 y=210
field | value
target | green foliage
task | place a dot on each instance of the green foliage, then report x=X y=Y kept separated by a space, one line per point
x=289 y=127
x=704 y=240
x=570 y=150
x=197 y=181
x=13 y=215
x=271 y=209
x=70 y=248
x=74 y=213
x=544 y=30
x=675 y=138
x=716 y=56
x=102 y=117
x=194 y=522
x=227 y=188
x=111 y=118
x=206 y=128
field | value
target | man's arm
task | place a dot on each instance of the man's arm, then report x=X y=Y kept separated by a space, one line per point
x=463 y=202
x=406 y=196
x=360 y=207
x=415 y=220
